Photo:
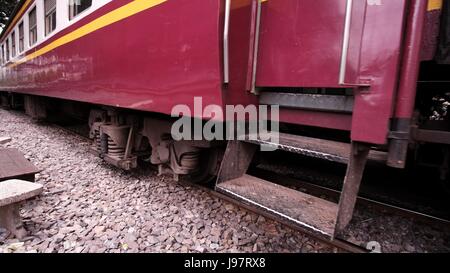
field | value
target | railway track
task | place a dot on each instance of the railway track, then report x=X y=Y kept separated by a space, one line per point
x=338 y=243
x=361 y=201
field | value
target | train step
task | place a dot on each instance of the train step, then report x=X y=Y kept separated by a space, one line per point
x=310 y=213
x=313 y=147
x=307 y=211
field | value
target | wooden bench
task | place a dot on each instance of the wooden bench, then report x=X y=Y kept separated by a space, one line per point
x=12 y=194
x=13 y=165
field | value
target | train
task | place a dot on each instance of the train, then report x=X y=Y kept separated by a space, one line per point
x=350 y=80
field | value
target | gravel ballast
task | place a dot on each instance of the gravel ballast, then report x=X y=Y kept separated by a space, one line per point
x=89 y=206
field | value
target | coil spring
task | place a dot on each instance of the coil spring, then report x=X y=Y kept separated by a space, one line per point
x=190 y=160
x=114 y=150
x=97 y=141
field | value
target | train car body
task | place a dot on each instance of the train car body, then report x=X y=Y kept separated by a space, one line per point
x=344 y=65
x=122 y=54
x=128 y=59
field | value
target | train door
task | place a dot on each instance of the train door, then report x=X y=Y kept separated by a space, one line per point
x=306 y=43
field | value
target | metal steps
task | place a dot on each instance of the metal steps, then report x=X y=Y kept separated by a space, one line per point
x=312 y=213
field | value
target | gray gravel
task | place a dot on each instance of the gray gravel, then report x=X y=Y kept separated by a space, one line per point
x=89 y=206
x=397 y=234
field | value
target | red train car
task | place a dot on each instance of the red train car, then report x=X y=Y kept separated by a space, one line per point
x=348 y=66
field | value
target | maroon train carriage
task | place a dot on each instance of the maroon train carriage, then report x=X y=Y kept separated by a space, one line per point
x=373 y=71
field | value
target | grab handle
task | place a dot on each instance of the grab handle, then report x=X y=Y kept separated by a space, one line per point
x=349 y=34
x=226 y=61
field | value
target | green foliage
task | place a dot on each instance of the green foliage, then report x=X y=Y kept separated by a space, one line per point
x=6 y=8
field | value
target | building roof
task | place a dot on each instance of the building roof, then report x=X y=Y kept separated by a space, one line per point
x=10 y=23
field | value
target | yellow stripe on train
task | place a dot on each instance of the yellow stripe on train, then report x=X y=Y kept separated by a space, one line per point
x=434 y=5
x=114 y=16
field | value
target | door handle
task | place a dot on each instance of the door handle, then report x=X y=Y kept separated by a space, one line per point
x=254 y=46
x=226 y=55
x=345 y=48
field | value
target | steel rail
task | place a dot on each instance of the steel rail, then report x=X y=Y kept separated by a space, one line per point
x=337 y=242
x=361 y=201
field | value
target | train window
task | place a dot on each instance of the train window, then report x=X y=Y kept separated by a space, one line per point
x=2 y=54
x=13 y=44
x=7 y=50
x=33 y=26
x=78 y=6
x=21 y=37
x=50 y=16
